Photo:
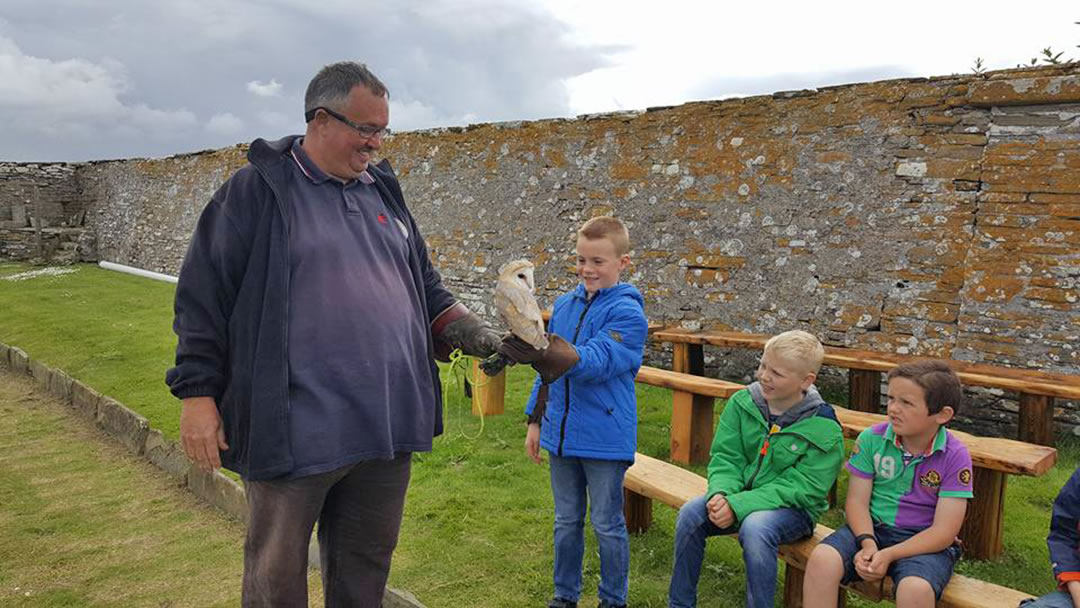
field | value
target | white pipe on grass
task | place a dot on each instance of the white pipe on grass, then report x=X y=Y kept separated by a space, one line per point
x=139 y=272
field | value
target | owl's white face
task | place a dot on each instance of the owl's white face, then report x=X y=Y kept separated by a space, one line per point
x=525 y=276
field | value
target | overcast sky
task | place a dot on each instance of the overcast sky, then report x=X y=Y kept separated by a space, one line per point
x=95 y=79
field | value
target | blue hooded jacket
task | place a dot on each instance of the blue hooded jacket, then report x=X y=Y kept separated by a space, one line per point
x=592 y=409
x=1064 y=538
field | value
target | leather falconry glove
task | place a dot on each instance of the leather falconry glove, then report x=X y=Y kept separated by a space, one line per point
x=551 y=362
x=459 y=327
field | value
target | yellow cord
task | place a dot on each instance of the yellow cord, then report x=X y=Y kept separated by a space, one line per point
x=461 y=366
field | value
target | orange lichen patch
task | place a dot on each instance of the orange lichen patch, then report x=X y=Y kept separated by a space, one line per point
x=1052 y=294
x=553 y=157
x=692 y=214
x=717 y=261
x=833 y=157
x=1017 y=91
x=927 y=311
x=631 y=169
x=995 y=288
x=702 y=277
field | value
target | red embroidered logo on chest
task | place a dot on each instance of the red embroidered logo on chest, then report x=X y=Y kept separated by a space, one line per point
x=381 y=218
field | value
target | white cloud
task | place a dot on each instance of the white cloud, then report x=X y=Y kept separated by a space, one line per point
x=270 y=89
x=75 y=98
x=412 y=114
x=225 y=124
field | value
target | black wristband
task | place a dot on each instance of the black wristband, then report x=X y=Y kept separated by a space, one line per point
x=862 y=537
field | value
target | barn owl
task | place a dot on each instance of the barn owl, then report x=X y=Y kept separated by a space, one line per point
x=516 y=305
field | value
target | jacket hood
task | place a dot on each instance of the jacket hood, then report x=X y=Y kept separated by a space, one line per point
x=807 y=408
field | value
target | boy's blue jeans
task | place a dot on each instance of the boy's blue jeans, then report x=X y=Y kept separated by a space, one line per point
x=602 y=481
x=760 y=535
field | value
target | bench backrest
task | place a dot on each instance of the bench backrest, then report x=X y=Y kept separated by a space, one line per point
x=995 y=453
x=973 y=374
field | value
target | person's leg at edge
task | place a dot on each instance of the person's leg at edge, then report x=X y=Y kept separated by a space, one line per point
x=358 y=531
x=761 y=533
x=281 y=515
x=604 y=479
x=692 y=528
x=568 y=490
x=1055 y=599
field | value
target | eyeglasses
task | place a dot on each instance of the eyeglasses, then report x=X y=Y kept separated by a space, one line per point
x=365 y=131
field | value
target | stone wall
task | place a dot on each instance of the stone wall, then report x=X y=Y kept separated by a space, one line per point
x=936 y=217
x=44 y=195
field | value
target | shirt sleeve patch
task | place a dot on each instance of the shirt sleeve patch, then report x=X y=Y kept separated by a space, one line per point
x=964 y=476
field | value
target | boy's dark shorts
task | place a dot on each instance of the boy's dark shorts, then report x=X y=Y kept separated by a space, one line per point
x=935 y=568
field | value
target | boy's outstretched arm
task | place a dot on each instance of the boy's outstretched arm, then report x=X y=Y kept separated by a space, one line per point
x=617 y=348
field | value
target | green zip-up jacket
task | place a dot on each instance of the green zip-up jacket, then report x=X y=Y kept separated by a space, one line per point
x=794 y=466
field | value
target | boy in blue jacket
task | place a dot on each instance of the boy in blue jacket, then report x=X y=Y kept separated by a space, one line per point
x=583 y=409
x=1064 y=545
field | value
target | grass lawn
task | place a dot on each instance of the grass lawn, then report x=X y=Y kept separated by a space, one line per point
x=477 y=529
x=84 y=523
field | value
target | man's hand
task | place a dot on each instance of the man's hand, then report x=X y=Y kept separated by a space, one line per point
x=459 y=327
x=201 y=432
x=532 y=443
x=874 y=568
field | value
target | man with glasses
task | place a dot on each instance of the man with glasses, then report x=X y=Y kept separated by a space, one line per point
x=308 y=314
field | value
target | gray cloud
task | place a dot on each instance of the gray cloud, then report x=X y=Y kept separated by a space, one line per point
x=83 y=80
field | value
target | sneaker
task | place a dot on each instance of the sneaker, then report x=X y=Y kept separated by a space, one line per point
x=607 y=604
x=561 y=603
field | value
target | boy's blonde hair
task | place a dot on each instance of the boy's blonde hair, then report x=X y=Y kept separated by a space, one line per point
x=797 y=346
x=607 y=227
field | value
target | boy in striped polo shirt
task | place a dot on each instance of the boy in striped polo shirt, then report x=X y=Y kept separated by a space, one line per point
x=910 y=484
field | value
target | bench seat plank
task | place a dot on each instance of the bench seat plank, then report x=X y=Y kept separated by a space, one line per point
x=699 y=385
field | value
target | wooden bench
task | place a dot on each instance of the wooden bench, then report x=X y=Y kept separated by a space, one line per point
x=993 y=457
x=652 y=479
x=1037 y=389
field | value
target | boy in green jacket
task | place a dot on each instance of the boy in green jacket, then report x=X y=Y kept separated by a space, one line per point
x=777 y=451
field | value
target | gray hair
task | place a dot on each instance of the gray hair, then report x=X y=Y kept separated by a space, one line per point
x=330 y=87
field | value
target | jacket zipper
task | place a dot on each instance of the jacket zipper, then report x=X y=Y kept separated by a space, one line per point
x=761 y=455
x=566 y=410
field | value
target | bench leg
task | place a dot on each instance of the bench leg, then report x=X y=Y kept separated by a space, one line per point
x=638 y=511
x=864 y=390
x=981 y=533
x=691 y=415
x=793 y=583
x=1037 y=419
x=691 y=427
